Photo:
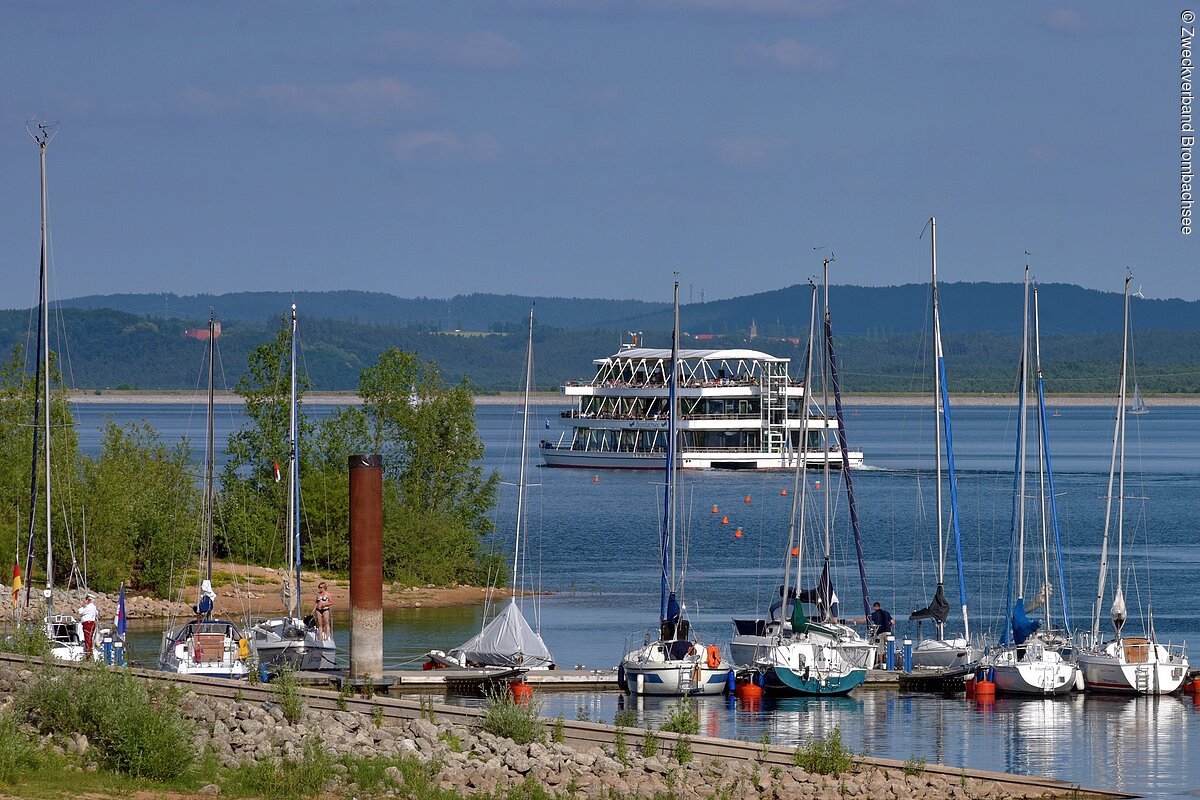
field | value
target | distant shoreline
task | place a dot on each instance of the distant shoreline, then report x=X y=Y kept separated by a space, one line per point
x=556 y=399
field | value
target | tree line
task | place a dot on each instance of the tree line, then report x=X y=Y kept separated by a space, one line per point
x=137 y=504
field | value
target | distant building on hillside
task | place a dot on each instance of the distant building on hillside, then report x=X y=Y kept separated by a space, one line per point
x=201 y=334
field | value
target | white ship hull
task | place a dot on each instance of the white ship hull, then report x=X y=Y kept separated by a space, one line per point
x=650 y=671
x=949 y=653
x=288 y=642
x=1032 y=669
x=555 y=456
x=1133 y=667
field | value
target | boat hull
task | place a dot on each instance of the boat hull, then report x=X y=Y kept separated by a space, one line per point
x=1151 y=670
x=212 y=649
x=675 y=678
x=787 y=681
x=951 y=653
x=809 y=666
x=555 y=456
x=289 y=643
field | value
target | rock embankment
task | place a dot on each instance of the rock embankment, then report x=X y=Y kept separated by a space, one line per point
x=468 y=760
x=136 y=606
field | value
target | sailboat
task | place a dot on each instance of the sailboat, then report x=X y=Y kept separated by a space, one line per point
x=289 y=640
x=676 y=663
x=508 y=640
x=794 y=654
x=942 y=651
x=1125 y=664
x=206 y=646
x=1139 y=405
x=64 y=631
x=1037 y=660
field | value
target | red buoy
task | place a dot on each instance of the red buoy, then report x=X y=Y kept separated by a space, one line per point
x=795 y=551
x=596 y=479
x=985 y=690
x=737 y=534
x=724 y=520
x=747 y=498
x=714 y=509
x=745 y=690
x=521 y=692
x=783 y=492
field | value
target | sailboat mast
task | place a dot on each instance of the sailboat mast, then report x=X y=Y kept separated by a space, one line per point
x=42 y=137
x=1112 y=471
x=1121 y=461
x=294 y=477
x=800 y=487
x=828 y=497
x=1042 y=455
x=1024 y=391
x=668 y=530
x=210 y=447
x=937 y=406
x=521 y=469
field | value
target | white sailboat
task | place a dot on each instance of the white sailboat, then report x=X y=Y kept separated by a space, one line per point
x=64 y=631
x=508 y=640
x=676 y=663
x=1139 y=405
x=943 y=651
x=1036 y=661
x=203 y=645
x=1125 y=664
x=289 y=641
x=796 y=655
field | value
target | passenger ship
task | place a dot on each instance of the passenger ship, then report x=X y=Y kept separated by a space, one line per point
x=739 y=409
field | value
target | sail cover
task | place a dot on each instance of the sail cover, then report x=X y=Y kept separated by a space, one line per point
x=1022 y=625
x=822 y=596
x=506 y=641
x=938 y=610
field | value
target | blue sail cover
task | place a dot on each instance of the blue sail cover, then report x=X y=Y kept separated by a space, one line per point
x=1022 y=625
x=672 y=609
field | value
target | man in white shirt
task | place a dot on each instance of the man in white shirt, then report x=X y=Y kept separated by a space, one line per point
x=88 y=616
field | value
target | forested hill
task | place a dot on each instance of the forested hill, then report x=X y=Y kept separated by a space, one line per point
x=108 y=349
x=857 y=310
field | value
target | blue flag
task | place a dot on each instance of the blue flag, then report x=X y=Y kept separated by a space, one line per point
x=121 y=613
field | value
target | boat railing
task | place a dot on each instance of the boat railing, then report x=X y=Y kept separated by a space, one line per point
x=718 y=383
x=576 y=414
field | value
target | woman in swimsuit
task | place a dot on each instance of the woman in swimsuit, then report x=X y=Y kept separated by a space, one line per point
x=322 y=610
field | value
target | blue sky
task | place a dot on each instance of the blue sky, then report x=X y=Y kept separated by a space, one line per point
x=590 y=147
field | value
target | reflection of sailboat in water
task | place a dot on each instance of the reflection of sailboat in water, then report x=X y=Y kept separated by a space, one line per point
x=508 y=640
x=1139 y=405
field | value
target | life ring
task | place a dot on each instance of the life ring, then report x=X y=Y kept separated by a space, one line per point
x=714 y=656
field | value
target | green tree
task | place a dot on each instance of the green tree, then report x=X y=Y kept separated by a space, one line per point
x=142 y=506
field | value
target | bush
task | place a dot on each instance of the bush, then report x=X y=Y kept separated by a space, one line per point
x=136 y=727
x=683 y=750
x=682 y=718
x=825 y=756
x=27 y=641
x=286 y=779
x=286 y=688
x=504 y=716
x=18 y=755
x=649 y=745
x=626 y=718
x=915 y=766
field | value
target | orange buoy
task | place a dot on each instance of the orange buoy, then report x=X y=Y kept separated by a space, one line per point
x=714 y=509
x=783 y=492
x=596 y=479
x=737 y=534
x=818 y=484
x=985 y=690
x=795 y=551
x=521 y=692
x=747 y=498
x=1193 y=687
x=745 y=690
x=724 y=520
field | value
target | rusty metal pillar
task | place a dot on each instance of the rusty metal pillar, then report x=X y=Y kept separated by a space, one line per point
x=366 y=568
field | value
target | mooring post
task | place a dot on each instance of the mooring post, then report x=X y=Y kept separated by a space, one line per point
x=366 y=568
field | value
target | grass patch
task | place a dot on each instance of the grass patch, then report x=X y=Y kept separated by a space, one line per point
x=504 y=716
x=285 y=686
x=650 y=744
x=136 y=728
x=285 y=779
x=452 y=741
x=682 y=718
x=18 y=755
x=559 y=734
x=915 y=766
x=825 y=756
x=626 y=718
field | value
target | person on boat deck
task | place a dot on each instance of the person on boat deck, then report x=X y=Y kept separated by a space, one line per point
x=323 y=611
x=88 y=616
x=208 y=599
x=881 y=619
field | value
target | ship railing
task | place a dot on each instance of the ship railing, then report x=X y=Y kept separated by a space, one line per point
x=683 y=384
x=576 y=414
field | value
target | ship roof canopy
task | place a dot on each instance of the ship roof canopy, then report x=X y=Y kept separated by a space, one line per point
x=655 y=353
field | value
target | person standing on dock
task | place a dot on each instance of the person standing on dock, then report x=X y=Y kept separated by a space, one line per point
x=88 y=615
x=323 y=609
x=881 y=619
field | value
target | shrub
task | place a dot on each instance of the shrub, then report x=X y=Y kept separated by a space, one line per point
x=649 y=744
x=18 y=755
x=452 y=741
x=626 y=718
x=825 y=756
x=504 y=716
x=136 y=727
x=286 y=689
x=27 y=641
x=915 y=766
x=683 y=750
x=682 y=718
x=559 y=735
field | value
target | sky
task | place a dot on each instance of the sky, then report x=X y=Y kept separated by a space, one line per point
x=590 y=147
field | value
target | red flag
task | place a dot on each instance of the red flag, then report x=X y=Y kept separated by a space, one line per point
x=16 y=586
x=275 y=464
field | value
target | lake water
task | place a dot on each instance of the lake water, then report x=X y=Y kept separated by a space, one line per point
x=593 y=545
